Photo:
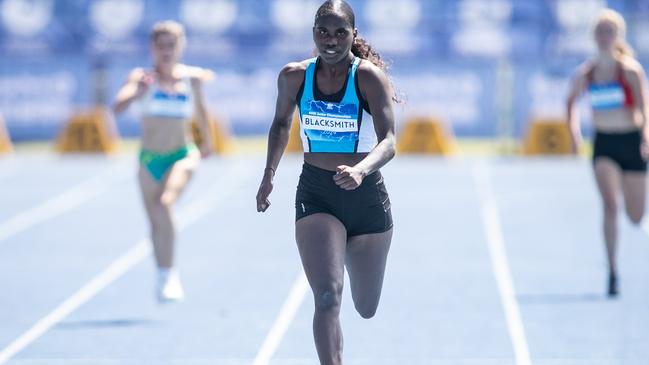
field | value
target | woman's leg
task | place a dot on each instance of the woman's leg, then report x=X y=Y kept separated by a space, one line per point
x=178 y=177
x=321 y=240
x=151 y=193
x=634 y=186
x=158 y=199
x=365 y=259
x=608 y=176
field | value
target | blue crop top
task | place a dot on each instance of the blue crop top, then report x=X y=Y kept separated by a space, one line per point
x=160 y=103
x=614 y=94
x=343 y=125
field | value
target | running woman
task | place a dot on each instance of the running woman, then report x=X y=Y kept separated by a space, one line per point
x=169 y=95
x=617 y=88
x=343 y=217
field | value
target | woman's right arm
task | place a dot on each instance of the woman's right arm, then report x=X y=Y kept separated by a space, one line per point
x=288 y=83
x=137 y=84
x=577 y=87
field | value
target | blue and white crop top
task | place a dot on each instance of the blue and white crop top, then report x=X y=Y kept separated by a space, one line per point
x=615 y=94
x=159 y=103
x=338 y=123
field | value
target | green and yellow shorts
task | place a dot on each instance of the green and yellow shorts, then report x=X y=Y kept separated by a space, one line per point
x=158 y=163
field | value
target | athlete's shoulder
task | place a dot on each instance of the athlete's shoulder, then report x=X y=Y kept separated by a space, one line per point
x=292 y=74
x=371 y=74
x=294 y=69
x=195 y=73
x=585 y=68
x=631 y=66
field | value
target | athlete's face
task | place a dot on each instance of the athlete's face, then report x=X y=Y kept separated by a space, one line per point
x=166 y=49
x=605 y=35
x=333 y=37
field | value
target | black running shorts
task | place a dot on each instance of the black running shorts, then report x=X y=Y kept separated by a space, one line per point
x=622 y=148
x=364 y=210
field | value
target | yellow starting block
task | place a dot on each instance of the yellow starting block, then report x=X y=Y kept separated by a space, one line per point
x=548 y=137
x=5 y=141
x=221 y=139
x=89 y=131
x=294 y=140
x=425 y=135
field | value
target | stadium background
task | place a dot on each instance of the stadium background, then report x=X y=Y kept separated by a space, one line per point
x=483 y=66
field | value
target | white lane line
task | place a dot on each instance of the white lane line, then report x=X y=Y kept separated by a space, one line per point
x=187 y=215
x=500 y=264
x=69 y=199
x=114 y=271
x=286 y=314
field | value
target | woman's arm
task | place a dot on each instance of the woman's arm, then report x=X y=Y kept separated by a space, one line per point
x=377 y=90
x=201 y=114
x=638 y=82
x=136 y=85
x=577 y=87
x=287 y=84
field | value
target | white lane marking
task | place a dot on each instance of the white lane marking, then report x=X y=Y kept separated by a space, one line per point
x=142 y=249
x=286 y=314
x=69 y=199
x=500 y=264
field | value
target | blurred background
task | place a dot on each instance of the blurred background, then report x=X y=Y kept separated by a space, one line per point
x=484 y=67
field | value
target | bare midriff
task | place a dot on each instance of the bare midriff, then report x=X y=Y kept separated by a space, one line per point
x=161 y=134
x=616 y=121
x=329 y=161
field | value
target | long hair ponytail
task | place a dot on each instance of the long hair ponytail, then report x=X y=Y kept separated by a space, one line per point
x=624 y=48
x=362 y=49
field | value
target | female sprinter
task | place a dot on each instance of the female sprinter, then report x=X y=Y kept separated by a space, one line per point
x=343 y=216
x=169 y=95
x=616 y=84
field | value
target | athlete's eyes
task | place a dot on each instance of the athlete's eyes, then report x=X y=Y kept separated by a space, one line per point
x=341 y=33
x=322 y=31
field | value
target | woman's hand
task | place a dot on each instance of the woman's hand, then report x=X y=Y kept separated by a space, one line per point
x=576 y=143
x=143 y=83
x=348 y=178
x=644 y=148
x=265 y=188
x=206 y=149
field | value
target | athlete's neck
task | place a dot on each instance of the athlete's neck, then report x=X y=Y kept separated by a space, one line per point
x=337 y=69
x=165 y=72
x=607 y=57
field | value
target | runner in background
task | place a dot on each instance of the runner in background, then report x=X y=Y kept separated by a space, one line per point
x=169 y=94
x=616 y=83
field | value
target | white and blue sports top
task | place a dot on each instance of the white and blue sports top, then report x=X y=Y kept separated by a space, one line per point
x=338 y=123
x=615 y=94
x=159 y=103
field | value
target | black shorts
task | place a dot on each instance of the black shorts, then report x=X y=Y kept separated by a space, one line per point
x=364 y=210
x=622 y=148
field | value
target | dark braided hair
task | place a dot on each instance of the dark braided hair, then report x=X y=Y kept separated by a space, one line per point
x=360 y=48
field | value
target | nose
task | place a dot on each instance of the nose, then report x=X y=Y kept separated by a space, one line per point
x=331 y=42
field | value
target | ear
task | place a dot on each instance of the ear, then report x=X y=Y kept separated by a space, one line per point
x=355 y=33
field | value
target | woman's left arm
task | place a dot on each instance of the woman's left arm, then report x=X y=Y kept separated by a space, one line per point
x=638 y=82
x=200 y=112
x=377 y=90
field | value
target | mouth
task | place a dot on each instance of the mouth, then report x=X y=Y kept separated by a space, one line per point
x=330 y=52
